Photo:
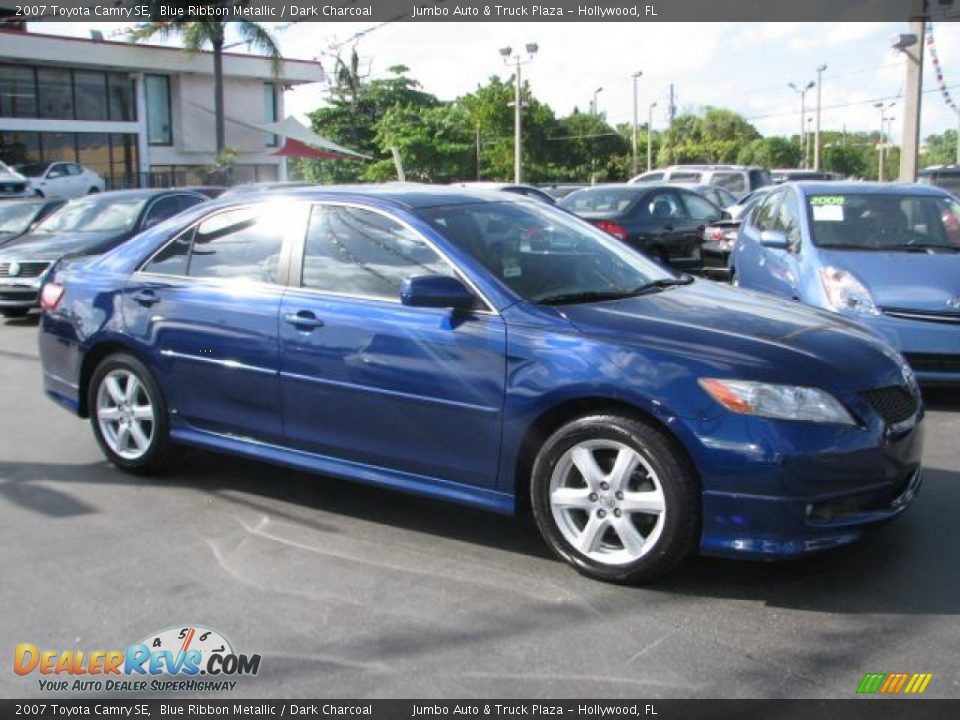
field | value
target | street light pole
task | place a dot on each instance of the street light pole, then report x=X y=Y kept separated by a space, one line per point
x=636 y=76
x=596 y=107
x=803 y=113
x=806 y=147
x=650 y=137
x=883 y=127
x=816 y=141
x=510 y=59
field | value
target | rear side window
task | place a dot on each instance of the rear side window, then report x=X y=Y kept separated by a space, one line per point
x=662 y=206
x=764 y=214
x=610 y=200
x=734 y=182
x=684 y=177
x=698 y=208
x=353 y=251
x=237 y=244
x=173 y=258
x=759 y=178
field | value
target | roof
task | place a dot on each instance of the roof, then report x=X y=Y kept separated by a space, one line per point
x=140 y=193
x=408 y=195
x=45 y=49
x=839 y=187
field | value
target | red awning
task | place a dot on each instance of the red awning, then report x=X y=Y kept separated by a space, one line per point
x=295 y=148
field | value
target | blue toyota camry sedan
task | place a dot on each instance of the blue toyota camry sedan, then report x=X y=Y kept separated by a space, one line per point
x=887 y=256
x=492 y=351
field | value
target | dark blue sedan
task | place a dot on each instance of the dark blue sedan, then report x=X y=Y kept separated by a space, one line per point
x=492 y=351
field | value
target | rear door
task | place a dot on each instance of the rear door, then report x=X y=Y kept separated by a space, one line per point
x=370 y=380
x=206 y=307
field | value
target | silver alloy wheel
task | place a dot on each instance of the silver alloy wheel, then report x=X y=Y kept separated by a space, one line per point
x=607 y=501
x=125 y=414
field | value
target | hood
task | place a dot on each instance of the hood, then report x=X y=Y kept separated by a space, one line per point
x=737 y=333
x=49 y=246
x=905 y=280
x=8 y=174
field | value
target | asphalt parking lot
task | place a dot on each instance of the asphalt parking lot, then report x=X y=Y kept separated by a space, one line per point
x=348 y=591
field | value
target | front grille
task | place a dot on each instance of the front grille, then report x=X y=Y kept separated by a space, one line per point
x=23 y=269
x=12 y=187
x=19 y=295
x=925 y=362
x=894 y=404
x=946 y=316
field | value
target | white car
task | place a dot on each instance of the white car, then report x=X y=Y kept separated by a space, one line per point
x=61 y=179
x=12 y=183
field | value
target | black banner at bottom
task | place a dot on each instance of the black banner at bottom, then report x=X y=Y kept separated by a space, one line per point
x=858 y=709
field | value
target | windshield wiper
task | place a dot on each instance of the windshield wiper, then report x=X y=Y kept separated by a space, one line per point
x=661 y=284
x=588 y=296
x=923 y=247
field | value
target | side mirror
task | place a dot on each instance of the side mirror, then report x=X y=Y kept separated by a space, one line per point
x=724 y=215
x=774 y=239
x=436 y=291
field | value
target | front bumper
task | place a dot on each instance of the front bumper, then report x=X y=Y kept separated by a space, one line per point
x=932 y=347
x=780 y=489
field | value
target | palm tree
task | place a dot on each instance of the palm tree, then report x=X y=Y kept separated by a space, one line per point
x=198 y=34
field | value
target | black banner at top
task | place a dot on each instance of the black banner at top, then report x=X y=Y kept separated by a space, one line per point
x=642 y=11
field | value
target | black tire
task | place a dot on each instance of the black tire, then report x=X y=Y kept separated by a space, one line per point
x=38 y=193
x=160 y=451
x=93 y=191
x=680 y=487
x=14 y=312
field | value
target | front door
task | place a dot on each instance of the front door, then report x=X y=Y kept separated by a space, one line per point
x=367 y=379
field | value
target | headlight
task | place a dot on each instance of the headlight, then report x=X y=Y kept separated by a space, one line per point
x=845 y=292
x=784 y=402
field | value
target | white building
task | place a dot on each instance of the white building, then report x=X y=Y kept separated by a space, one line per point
x=138 y=114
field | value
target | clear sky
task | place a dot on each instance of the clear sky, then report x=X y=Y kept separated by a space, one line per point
x=742 y=66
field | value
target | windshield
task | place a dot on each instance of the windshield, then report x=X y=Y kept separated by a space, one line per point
x=601 y=199
x=99 y=214
x=873 y=221
x=6 y=169
x=33 y=169
x=16 y=217
x=546 y=255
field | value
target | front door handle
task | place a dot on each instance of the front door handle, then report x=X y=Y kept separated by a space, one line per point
x=303 y=319
x=145 y=297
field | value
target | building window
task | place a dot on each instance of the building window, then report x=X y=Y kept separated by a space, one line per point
x=270 y=110
x=20 y=148
x=159 y=125
x=91 y=94
x=120 y=90
x=55 y=93
x=18 y=92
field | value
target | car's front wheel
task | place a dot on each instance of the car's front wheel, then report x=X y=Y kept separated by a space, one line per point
x=613 y=497
x=129 y=415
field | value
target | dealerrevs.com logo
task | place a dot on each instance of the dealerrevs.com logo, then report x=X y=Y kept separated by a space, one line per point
x=191 y=658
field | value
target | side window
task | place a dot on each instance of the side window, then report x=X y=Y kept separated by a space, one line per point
x=700 y=209
x=161 y=210
x=662 y=206
x=734 y=182
x=188 y=201
x=173 y=258
x=56 y=170
x=764 y=214
x=242 y=244
x=787 y=219
x=352 y=251
x=73 y=169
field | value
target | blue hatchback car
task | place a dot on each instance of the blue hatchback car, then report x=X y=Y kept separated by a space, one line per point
x=493 y=351
x=887 y=256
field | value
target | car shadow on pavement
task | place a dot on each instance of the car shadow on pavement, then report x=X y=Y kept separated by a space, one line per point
x=903 y=567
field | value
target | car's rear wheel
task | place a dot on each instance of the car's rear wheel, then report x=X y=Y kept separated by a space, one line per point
x=613 y=497
x=129 y=415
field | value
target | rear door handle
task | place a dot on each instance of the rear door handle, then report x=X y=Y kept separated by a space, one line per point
x=303 y=319
x=145 y=297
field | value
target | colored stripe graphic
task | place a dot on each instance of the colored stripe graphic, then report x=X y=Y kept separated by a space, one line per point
x=894 y=683
x=871 y=682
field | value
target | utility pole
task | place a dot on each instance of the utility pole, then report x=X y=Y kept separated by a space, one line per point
x=803 y=114
x=912 y=47
x=478 y=151
x=636 y=164
x=510 y=59
x=958 y=138
x=650 y=137
x=673 y=108
x=883 y=142
x=816 y=141
x=808 y=141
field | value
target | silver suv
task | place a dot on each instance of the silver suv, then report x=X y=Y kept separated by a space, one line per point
x=738 y=179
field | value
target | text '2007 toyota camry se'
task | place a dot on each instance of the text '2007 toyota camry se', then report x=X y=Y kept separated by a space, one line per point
x=491 y=351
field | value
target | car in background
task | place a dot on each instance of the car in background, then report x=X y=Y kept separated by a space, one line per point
x=737 y=179
x=19 y=216
x=255 y=187
x=720 y=237
x=561 y=190
x=747 y=202
x=715 y=194
x=517 y=189
x=61 y=179
x=491 y=351
x=662 y=221
x=84 y=226
x=886 y=256
x=941 y=176
x=12 y=183
x=208 y=191
x=782 y=175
